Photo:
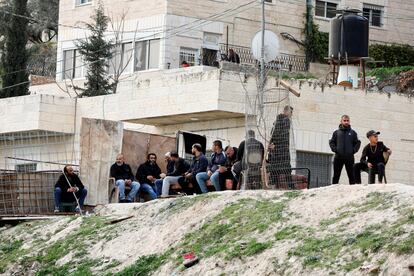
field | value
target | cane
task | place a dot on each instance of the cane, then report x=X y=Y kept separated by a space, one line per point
x=77 y=200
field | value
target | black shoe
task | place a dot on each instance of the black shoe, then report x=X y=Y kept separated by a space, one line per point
x=122 y=201
x=128 y=201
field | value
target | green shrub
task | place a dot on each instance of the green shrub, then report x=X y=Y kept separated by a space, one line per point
x=392 y=55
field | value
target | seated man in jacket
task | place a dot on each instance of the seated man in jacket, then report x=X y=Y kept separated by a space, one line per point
x=124 y=178
x=199 y=164
x=218 y=158
x=372 y=159
x=67 y=187
x=147 y=174
x=180 y=168
x=225 y=172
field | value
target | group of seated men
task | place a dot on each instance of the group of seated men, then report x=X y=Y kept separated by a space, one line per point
x=192 y=178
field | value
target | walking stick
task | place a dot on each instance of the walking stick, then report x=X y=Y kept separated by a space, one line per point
x=74 y=194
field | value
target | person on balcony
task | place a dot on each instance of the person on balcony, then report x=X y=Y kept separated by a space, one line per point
x=218 y=158
x=199 y=164
x=233 y=57
x=372 y=159
x=124 y=178
x=147 y=174
x=180 y=168
x=67 y=187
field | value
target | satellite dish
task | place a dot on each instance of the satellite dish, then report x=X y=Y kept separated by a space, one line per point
x=271 y=46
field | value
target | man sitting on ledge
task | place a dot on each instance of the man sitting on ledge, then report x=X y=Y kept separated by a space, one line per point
x=372 y=159
x=66 y=193
x=180 y=168
x=124 y=178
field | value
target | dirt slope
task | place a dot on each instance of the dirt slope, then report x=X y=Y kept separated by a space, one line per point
x=337 y=230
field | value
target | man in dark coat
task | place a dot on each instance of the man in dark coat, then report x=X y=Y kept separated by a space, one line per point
x=123 y=175
x=199 y=164
x=344 y=143
x=147 y=174
x=225 y=171
x=250 y=160
x=279 y=152
x=65 y=192
x=372 y=159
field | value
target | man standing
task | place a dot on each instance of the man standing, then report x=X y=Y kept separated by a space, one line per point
x=200 y=164
x=344 y=143
x=180 y=168
x=124 y=178
x=147 y=174
x=279 y=151
x=66 y=193
x=218 y=158
x=372 y=159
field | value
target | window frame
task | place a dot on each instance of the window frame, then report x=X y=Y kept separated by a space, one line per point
x=74 y=66
x=78 y=3
x=325 y=9
x=147 y=54
x=366 y=7
x=189 y=49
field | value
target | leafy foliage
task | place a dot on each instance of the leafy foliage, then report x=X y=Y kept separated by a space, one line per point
x=392 y=55
x=316 y=43
x=96 y=52
x=14 y=53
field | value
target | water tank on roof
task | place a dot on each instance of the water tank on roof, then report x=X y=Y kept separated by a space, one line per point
x=349 y=35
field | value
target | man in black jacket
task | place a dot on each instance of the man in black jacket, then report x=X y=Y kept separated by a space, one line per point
x=64 y=191
x=372 y=159
x=225 y=171
x=279 y=151
x=180 y=168
x=199 y=164
x=124 y=177
x=344 y=143
x=147 y=174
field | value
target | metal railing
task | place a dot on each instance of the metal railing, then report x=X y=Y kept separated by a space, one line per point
x=284 y=61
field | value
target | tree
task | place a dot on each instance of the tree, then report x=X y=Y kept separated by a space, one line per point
x=96 y=52
x=14 y=56
x=45 y=14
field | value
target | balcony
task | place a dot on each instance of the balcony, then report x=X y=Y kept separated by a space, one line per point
x=37 y=113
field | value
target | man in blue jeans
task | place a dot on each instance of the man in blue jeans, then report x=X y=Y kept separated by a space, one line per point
x=123 y=177
x=65 y=192
x=218 y=158
x=147 y=174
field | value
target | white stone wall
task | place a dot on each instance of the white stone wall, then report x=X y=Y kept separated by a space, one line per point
x=317 y=115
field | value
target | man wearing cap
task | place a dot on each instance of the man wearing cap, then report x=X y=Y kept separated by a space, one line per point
x=372 y=159
x=344 y=143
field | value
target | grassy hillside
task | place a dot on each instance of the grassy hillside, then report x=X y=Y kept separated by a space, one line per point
x=338 y=230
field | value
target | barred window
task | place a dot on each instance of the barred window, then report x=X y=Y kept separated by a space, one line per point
x=374 y=14
x=325 y=9
x=189 y=55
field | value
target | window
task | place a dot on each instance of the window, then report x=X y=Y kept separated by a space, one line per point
x=147 y=55
x=82 y=2
x=30 y=167
x=374 y=14
x=325 y=9
x=121 y=61
x=319 y=164
x=72 y=64
x=189 y=55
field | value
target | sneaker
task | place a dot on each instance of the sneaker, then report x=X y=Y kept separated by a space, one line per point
x=77 y=210
x=57 y=210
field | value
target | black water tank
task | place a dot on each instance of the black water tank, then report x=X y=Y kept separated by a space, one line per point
x=349 y=36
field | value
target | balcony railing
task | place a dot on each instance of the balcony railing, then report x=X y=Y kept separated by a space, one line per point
x=284 y=61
